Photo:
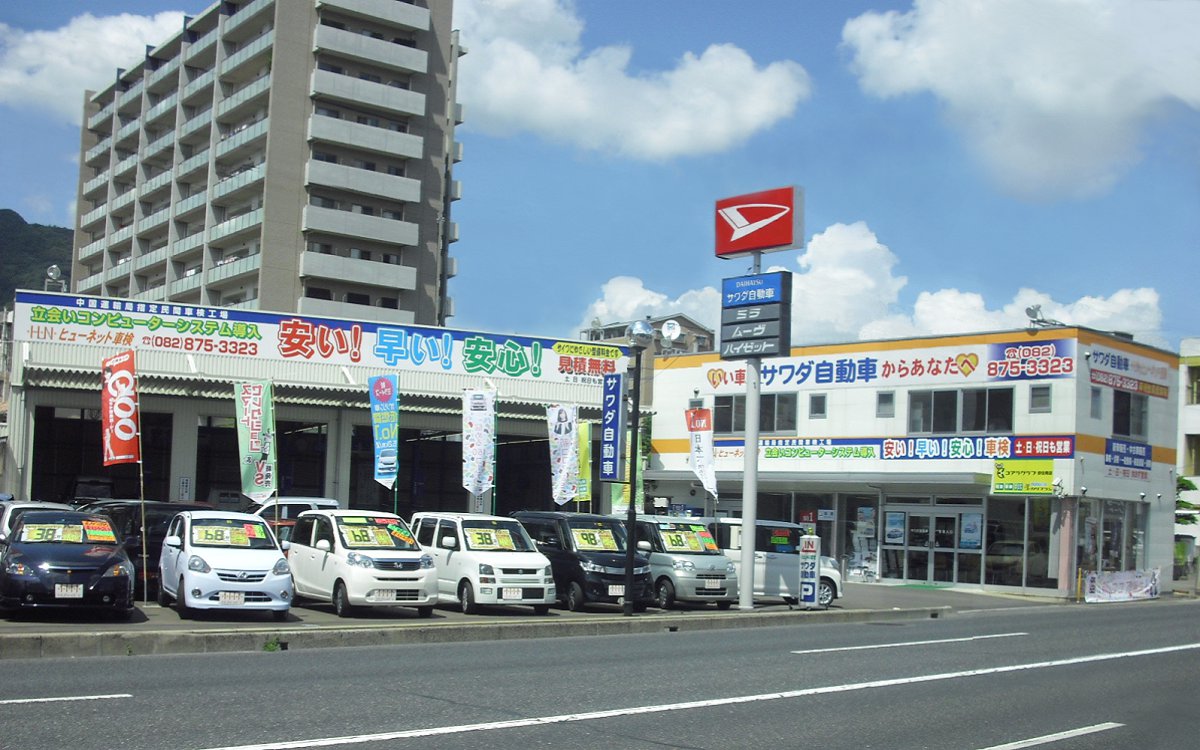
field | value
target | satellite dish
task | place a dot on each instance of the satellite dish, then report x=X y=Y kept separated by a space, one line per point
x=671 y=330
x=54 y=273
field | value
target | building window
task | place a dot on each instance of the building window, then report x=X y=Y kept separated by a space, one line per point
x=316 y=292
x=325 y=156
x=1097 y=403
x=816 y=406
x=1193 y=389
x=392 y=303
x=1191 y=455
x=322 y=202
x=932 y=412
x=885 y=404
x=1039 y=399
x=329 y=112
x=987 y=410
x=777 y=413
x=358 y=298
x=1130 y=411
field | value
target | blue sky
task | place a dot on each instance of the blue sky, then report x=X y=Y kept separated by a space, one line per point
x=961 y=159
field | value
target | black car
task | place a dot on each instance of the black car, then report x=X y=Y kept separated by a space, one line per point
x=587 y=553
x=126 y=516
x=66 y=559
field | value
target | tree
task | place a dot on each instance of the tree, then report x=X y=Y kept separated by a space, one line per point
x=1185 y=512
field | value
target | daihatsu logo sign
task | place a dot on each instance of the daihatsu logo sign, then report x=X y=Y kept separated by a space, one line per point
x=769 y=220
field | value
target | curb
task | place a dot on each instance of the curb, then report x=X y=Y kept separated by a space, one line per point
x=60 y=645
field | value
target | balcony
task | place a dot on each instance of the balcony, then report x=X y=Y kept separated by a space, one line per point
x=259 y=48
x=246 y=14
x=244 y=97
x=359 y=93
x=150 y=259
x=323 y=308
x=186 y=284
x=121 y=235
x=199 y=85
x=94 y=216
x=159 y=145
x=159 y=181
x=161 y=75
x=198 y=48
x=100 y=149
x=371 y=51
x=125 y=166
x=366 y=137
x=98 y=120
x=191 y=242
x=195 y=125
x=235 y=268
x=389 y=11
x=244 y=137
x=366 y=272
x=346 y=224
x=131 y=97
x=154 y=220
x=191 y=203
x=97 y=182
x=162 y=108
x=89 y=284
x=244 y=224
x=363 y=181
x=91 y=249
x=122 y=200
x=128 y=130
x=119 y=272
x=236 y=183
x=193 y=163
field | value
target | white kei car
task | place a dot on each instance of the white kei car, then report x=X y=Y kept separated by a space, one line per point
x=215 y=559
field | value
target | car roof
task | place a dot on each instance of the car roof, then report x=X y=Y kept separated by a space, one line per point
x=343 y=512
x=567 y=514
x=460 y=515
x=56 y=513
x=209 y=514
x=40 y=504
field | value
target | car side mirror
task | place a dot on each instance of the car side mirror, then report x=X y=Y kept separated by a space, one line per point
x=285 y=545
x=449 y=542
x=644 y=546
x=173 y=541
x=323 y=545
x=550 y=542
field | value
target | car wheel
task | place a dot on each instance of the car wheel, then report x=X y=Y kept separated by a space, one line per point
x=341 y=600
x=541 y=609
x=466 y=597
x=280 y=615
x=425 y=612
x=164 y=600
x=825 y=593
x=666 y=594
x=574 y=597
x=181 y=601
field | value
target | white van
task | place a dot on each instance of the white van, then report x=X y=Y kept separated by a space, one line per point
x=686 y=564
x=776 y=559
x=357 y=558
x=288 y=508
x=483 y=559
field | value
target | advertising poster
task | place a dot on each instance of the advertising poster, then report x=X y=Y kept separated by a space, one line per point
x=385 y=428
x=562 y=428
x=612 y=430
x=256 y=438
x=1030 y=476
x=700 y=432
x=479 y=442
x=893 y=527
x=971 y=534
x=119 y=417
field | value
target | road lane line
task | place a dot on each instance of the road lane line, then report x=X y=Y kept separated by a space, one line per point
x=908 y=643
x=14 y=701
x=1048 y=738
x=690 y=705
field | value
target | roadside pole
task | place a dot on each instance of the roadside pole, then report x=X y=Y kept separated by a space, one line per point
x=750 y=472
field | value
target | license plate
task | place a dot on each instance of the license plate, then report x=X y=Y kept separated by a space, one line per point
x=511 y=593
x=616 y=590
x=68 y=591
x=236 y=598
x=385 y=595
x=710 y=584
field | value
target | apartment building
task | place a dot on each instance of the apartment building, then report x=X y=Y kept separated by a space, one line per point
x=284 y=155
x=1015 y=459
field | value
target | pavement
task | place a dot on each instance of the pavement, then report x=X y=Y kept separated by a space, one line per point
x=158 y=630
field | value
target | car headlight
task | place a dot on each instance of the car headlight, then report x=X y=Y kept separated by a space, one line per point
x=426 y=561
x=591 y=567
x=21 y=570
x=196 y=563
x=281 y=568
x=730 y=568
x=119 y=569
x=683 y=565
x=359 y=560
x=486 y=570
x=548 y=571
x=643 y=570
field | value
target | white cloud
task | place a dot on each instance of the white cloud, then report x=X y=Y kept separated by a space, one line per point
x=1052 y=95
x=50 y=70
x=526 y=71
x=846 y=290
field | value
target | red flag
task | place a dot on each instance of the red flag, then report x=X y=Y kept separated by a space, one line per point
x=119 y=419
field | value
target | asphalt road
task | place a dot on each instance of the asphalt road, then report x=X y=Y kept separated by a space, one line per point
x=1101 y=676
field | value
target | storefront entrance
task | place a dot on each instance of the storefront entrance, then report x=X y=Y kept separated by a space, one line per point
x=940 y=546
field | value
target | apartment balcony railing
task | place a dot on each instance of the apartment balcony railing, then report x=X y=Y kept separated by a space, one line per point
x=244 y=95
x=235 y=226
x=150 y=259
x=95 y=151
x=249 y=52
x=199 y=84
x=100 y=117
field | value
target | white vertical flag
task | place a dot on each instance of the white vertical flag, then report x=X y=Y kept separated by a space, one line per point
x=478 y=440
x=700 y=432
x=562 y=423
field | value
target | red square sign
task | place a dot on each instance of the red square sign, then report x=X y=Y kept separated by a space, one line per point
x=768 y=220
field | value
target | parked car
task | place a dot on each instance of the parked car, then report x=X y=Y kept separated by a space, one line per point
x=290 y=507
x=587 y=552
x=66 y=559
x=483 y=559
x=361 y=559
x=686 y=564
x=776 y=559
x=126 y=516
x=214 y=559
x=10 y=512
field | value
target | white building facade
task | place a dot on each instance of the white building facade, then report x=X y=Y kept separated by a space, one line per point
x=1014 y=459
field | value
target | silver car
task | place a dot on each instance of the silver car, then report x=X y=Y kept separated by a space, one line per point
x=686 y=564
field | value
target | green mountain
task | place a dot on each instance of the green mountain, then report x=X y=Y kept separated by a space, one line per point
x=27 y=250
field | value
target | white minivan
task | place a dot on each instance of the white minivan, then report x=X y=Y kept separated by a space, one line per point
x=483 y=559
x=359 y=558
x=776 y=559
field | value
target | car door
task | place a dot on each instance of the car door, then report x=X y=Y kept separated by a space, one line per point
x=449 y=561
x=169 y=559
x=325 y=565
x=301 y=557
x=776 y=546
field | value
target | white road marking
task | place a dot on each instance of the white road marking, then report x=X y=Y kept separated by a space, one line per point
x=690 y=705
x=13 y=701
x=908 y=643
x=1048 y=738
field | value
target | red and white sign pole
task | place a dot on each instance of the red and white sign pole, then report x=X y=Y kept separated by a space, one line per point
x=121 y=431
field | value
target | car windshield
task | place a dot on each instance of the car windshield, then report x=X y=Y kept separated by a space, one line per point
x=496 y=536
x=601 y=535
x=370 y=532
x=231 y=532
x=689 y=538
x=74 y=531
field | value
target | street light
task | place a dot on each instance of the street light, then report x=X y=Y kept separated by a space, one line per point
x=640 y=335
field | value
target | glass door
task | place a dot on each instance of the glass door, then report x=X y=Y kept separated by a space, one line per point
x=931 y=542
x=945 y=541
x=917 y=542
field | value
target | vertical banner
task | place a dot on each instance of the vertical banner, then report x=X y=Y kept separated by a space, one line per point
x=562 y=426
x=256 y=438
x=385 y=428
x=120 y=421
x=700 y=431
x=612 y=429
x=584 y=478
x=478 y=443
